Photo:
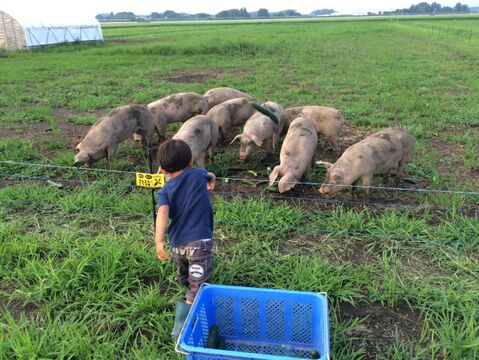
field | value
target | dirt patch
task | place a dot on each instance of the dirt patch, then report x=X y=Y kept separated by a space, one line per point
x=451 y=163
x=72 y=133
x=381 y=326
x=63 y=114
x=17 y=308
x=359 y=254
x=43 y=132
x=22 y=131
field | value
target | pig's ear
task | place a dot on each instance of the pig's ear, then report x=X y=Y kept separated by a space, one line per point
x=326 y=164
x=237 y=137
x=286 y=183
x=340 y=113
x=336 y=179
x=257 y=141
x=273 y=175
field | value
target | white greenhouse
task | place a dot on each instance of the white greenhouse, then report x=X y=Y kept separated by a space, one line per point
x=18 y=31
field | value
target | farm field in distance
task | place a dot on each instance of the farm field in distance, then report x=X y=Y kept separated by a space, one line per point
x=79 y=277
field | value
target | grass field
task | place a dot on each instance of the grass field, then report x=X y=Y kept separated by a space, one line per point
x=79 y=277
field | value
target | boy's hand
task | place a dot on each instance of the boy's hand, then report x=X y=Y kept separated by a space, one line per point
x=161 y=222
x=160 y=251
x=210 y=185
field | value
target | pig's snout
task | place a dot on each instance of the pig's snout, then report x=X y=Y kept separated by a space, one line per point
x=324 y=190
x=76 y=161
x=244 y=154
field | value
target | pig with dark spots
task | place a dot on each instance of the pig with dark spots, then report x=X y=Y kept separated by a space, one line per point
x=260 y=131
x=218 y=95
x=382 y=152
x=327 y=121
x=408 y=143
x=230 y=113
x=121 y=123
x=177 y=108
x=296 y=154
x=201 y=134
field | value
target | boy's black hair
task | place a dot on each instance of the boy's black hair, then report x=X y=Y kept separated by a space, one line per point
x=174 y=155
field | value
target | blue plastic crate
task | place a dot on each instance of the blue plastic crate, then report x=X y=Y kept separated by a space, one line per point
x=257 y=324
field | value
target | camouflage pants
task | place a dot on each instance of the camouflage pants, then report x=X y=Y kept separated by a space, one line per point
x=194 y=265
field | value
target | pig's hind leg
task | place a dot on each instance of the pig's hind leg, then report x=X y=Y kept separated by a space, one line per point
x=400 y=170
x=387 y=175
x=212 y=145
x=333 y=144
x=111 y=151
x=211 y=154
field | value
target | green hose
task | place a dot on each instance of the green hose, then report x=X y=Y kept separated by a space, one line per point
x=266 y=112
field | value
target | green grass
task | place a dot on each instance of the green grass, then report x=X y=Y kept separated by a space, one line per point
x=82 y=120
x=78 y=272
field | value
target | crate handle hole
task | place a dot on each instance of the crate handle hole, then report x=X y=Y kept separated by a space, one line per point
x=194 y=323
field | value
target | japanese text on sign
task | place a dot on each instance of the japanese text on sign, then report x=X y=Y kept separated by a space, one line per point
x=150 y=180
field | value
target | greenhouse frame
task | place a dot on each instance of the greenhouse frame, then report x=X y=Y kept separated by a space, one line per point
x=18 y=32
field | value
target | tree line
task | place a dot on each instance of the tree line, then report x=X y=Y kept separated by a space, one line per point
x=421 y=8
x=225 y=14
x=428 y=9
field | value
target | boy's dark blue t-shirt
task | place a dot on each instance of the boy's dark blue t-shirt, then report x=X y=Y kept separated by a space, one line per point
x=190 y=208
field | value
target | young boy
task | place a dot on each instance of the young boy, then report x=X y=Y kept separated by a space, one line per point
x=185 y=200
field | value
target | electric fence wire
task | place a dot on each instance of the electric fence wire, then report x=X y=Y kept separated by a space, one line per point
x=63 y=167
x=320 y=200
x=456 y=192
x=331 y=234
x=62 y=181
x=419 y=190
x=244 y=195
x=235 y=194
x=287 y=197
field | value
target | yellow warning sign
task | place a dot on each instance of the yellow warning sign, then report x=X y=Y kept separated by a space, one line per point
x=150 y=180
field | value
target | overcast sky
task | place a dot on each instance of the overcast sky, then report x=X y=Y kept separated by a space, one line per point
x=145 y=7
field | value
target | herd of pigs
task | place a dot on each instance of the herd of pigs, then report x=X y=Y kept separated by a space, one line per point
x=208 y=118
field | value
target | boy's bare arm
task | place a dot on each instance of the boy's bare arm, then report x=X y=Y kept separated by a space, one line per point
x=161 y=223
x=211 y=181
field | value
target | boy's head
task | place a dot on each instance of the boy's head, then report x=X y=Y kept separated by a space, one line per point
x=174 y=155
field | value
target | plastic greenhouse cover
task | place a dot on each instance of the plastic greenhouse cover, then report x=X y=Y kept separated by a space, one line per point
x=56 y=25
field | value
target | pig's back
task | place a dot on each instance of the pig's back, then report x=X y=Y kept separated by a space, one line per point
x=299 y=144
x=328 y=121
x=219 y=95
x=194 y=128
x=384 y=152
x=116 y=126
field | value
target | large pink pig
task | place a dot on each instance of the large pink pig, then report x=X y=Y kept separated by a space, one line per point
x=296 y=154
x=385 y=151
